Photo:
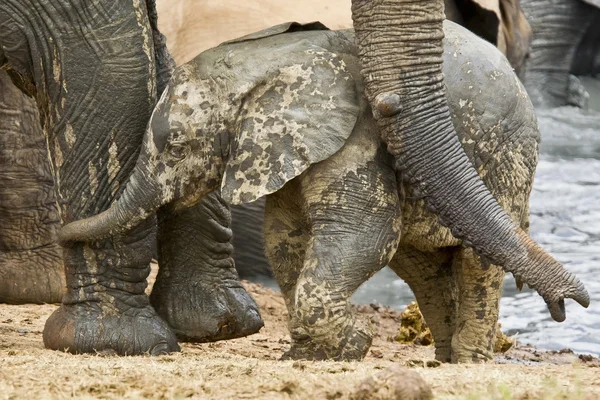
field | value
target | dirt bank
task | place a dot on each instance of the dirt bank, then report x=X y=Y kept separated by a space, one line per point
x=248 y=367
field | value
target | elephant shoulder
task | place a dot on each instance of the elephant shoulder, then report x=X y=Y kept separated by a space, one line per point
x=478 y=73
x=296 y=102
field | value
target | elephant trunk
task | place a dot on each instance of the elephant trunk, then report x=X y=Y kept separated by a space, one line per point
x=140 y=199
x=400 y=47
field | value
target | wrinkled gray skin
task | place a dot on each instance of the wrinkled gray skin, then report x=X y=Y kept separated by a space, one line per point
x=566 y=41
x=281 y=113
x=248 y=222
x=94 y=69
x=31 y=269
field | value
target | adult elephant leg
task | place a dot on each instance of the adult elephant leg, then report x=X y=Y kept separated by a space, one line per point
x=286 y=237
x=558 y=26
x=92 y=71
x=31 y=267
x=430 y=277
x=197 y=290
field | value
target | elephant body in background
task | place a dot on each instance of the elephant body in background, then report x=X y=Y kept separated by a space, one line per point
x=191 y=26
x=31 y=268
x=296 y=128
x=565 y=42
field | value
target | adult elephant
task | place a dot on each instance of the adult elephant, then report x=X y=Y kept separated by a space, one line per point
x=281 y=113
x=94 y=69
x=565 y=41
x=191 y=26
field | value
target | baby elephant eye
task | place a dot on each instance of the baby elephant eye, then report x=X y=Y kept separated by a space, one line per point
x=178 y=150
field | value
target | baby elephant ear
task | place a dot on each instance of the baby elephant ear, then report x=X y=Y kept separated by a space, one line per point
x=299 y=114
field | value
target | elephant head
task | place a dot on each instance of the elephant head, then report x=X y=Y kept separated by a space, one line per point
x=248 y=118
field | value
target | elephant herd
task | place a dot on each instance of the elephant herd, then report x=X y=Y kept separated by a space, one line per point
x=408 y=141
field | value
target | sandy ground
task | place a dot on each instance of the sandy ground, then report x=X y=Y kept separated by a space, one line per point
x=248 y=368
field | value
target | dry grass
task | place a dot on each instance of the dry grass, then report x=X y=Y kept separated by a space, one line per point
x=248 y=367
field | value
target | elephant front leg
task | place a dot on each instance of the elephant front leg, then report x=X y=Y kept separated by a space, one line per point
x=197 y=290
x=479 y=292
x=430 y=277
x=106 y=309
x=355 y=229
x=31 y=268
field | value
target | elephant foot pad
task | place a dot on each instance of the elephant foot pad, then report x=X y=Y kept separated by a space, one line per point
x=90 y=328
x=203 y=313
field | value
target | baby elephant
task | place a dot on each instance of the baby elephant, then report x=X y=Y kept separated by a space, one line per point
x=281 y=113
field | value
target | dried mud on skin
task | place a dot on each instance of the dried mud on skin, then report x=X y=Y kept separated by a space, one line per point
x=248 y=367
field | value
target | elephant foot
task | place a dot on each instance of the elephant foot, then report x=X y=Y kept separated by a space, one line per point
x=350 y=345
x=204 y=312
x=96 y=327
x=32 y=276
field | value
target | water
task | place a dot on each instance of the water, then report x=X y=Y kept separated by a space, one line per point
x=565 y=220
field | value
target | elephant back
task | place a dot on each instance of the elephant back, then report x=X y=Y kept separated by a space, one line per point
x=290 y=97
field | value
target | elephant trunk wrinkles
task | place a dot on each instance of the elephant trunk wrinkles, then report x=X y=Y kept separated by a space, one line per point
x=140 y=199
x=400 y=47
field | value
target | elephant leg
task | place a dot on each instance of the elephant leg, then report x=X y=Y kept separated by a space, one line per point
x=430 y=277
x=197 y=290
x=354 y=220
x=31 y=267
x=106 y=309
x=558 y=26
x=479 y=290
x=286 y=238
x=102 y=83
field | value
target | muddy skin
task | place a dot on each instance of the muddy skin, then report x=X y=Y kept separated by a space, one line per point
x=458 y=294
x=323 y=243
x=197 y=290
x=31 y=268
